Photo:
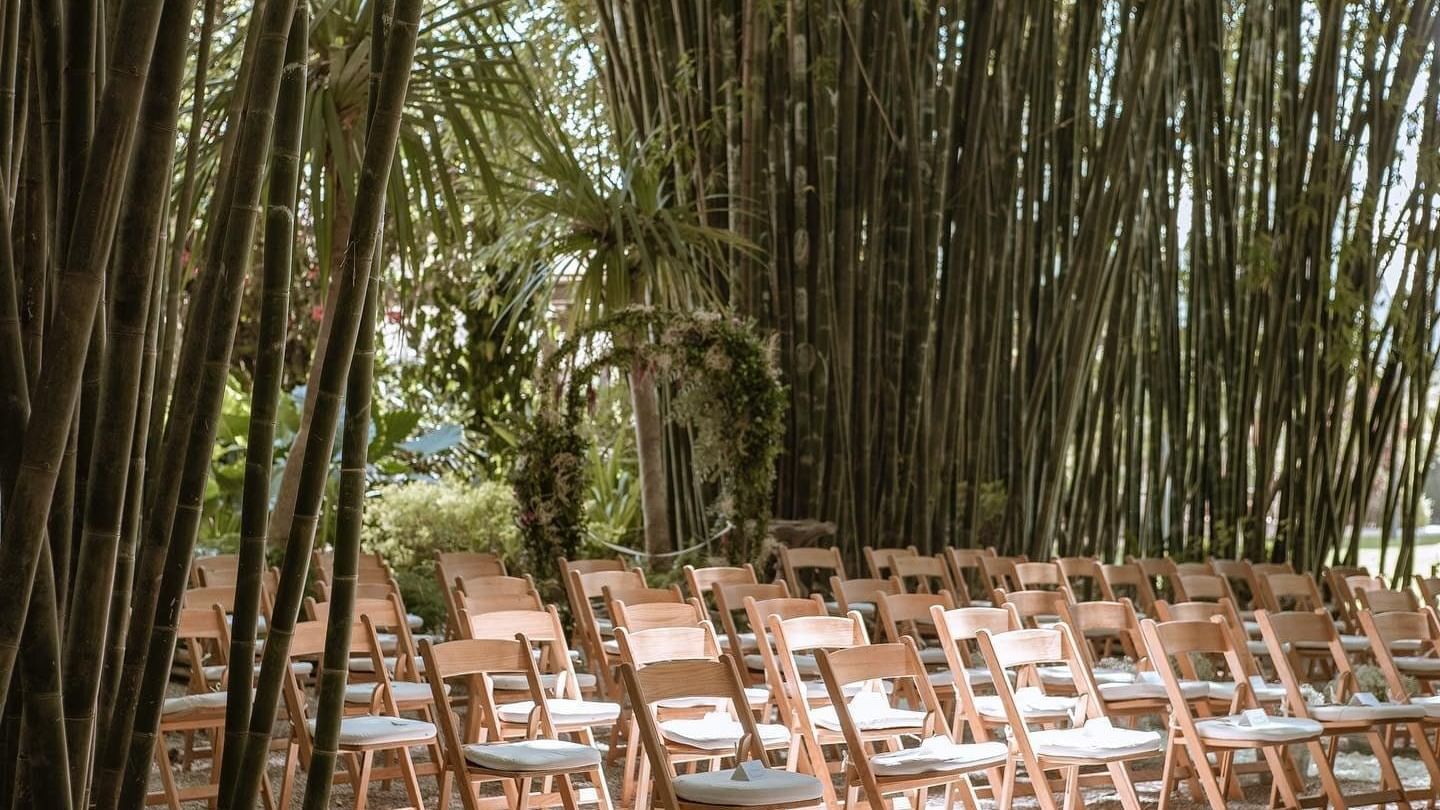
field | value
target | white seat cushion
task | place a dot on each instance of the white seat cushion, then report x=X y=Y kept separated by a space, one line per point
x=208 y=701
x=718 y=731
x=415 y=622
x=747 y=642
x=1032 y=703
x=605 y=626
x=1097 y=741
x=1383 y=712
x=755 y=695
x=302 y=669
x=871 y=711
x=1225 y=690
x=1348 y=643
x=1061 y=676
x=516 y=682
x=1430 y=703
x=939 y=755
x=1148 y=687
x=762 y=787
x=404 y=691
x=933 y=657
x=367 y=664
x=804 y=664
x=975 y=676
x=369 y=729
x=1257 y=647
x=815 y=690
x=563 y=711
x=611 y=646
x=1417 y=665
x=533 y=755
x=1273 y=730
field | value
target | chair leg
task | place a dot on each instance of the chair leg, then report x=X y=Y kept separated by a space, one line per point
x=167 y=776
x=523 y=802
x=627 y=776
x=412 y=783
x=1120 y=775
x=362 y=780
x=1167 y=775
x=1283 y=776
x=1200 y=767
x=287 y=779
x=1328 y=781
x=567 y=794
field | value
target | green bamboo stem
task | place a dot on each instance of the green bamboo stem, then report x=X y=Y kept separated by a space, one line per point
x=354 y=277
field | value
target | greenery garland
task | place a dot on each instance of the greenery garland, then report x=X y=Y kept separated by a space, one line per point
x=730 y=395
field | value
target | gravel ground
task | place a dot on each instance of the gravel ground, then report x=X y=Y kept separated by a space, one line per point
x=1357 y=771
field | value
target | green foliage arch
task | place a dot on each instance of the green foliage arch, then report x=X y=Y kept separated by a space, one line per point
x=729 y=394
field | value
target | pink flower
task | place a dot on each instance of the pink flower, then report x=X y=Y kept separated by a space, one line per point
x=317 y=312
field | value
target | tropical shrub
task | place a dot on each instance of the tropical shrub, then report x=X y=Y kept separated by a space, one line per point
x=408 y=522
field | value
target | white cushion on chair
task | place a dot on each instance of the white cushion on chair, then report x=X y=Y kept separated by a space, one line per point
x=1379 y=713
x=415 y=622
x=194 y=703
x=938 y=755
x=1273 y=730
x=718 y=731
x=804 y=664
x=1094 y=741
x=871 y=711
x=302 y=669
x=533 y=755
x=747 y=642
x=755 y=695
x=1418 y=665
x=816 y=689
x=1430 y=703
x=975 y=676
x=1061 y=676
x=933 y=657
x=563 y=711
x=1032 y=703
x=1148 y=686
x=372 y=729
x=1348 y=643
x=763 y=788
x=404 y=691
x=1225 y=690
x=367 y=664
x=516 y=682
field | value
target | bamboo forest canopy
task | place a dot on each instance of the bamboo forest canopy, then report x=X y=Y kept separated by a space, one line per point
x=1094 y=277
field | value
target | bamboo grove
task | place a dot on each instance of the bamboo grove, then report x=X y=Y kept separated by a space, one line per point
x=122 y=276
x=1088 y=277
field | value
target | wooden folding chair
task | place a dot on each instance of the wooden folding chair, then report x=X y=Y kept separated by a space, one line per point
x=698 y=581
x=216 y=564
x=1281 y=592
x=1338 y=598
x=1000 y=573
x=456 y=564
x=591 y=566
x=984 y=715
x=1203 y=588
x=1245 y=727
x=1085 y=736
x=1380 y=600
x=757 y=785
x=879 y=562
x=1034 y=608
x=866 y=717
x=490 y=585
x=967 y=576
x=859 y=595
x=764 y=662
x=1348 y=712
x=1249 y=652
x=361 y=736
x=554 y=664
x=729 y=600
x=370 y=568
x=1416 y=635
x=690 y=733
x=908 y=615
x=796 y=642
x=918 y=574
x=809 y=570
x=1042 y=576
x=1244 y=586
x=1429 y=588
x=1127 y=581
x=486 y=749
x=592 y=623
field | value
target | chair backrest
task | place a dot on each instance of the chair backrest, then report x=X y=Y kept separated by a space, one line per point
x=1429 y=588
x=363 y=590
x=879 y=562
x=1242 y=574
x=224 y=596
x=204 y=631
x=542 y=630
x=1160 y=571
x=1203 y=588
x=807 y=569
x=904 y=615
x=217 y=566
x=699 y=580
x=1082 y=574
x=584 y=589
x=1000 y=573
x=645 y=647
x=850 y=592
x=1102 y=622
x=1280 y=592
x=1191 y=569
x=922 y=574
x=590 y=566
x=493 y=584
x=1283 y=632
x=490 y=603
x=1266 y=569
x=676 y=680
x=1178 y=639
x=959 y=627
x=634 y=597
x=1387 y=601
x=730 y=600
x=1224 y=611
x=652 y=615
x=1042 y=576
x=1031 y=606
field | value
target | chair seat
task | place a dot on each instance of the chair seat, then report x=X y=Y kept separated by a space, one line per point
x=805 y=664
x=753 y=788
x=1032 y=703
x=1418 y=665
x=516 y=682
x=871 y=711
x=816 y=689
x=1430 y=703
x=415 y=622
x=367 y=664
x=563 y=711
x=1384 y=712
x=302 y=669
x=371 y=730
x=1149 y=689
x=194 y=704
x=1225 y=690
x=975 y=676
x=1061 y=675
x=533 y=755
x=1348 y=643
x=404 y=691
x=939 y=755
x=1099 y=742
x=1257 y=647
x=1273 y=730
x=865 y=609
x=747 y=642
x=755 y=695
x=718 y=731
x=933 y=657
